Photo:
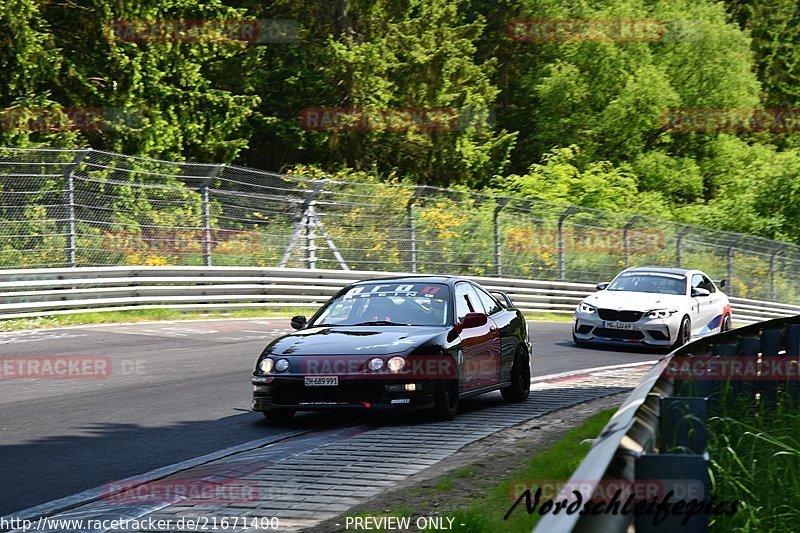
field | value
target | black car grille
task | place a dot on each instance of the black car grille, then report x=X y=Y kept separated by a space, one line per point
x=619 y=316
x=285 y=394
x=624 y=334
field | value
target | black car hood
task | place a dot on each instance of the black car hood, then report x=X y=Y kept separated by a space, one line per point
x=355 y=340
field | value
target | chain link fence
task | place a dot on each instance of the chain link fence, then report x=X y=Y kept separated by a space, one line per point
x=91 y=208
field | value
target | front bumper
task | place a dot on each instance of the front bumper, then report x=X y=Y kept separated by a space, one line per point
x=589 y=327
x=290 y=392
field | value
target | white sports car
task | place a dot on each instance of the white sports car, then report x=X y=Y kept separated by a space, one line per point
x=655 y=306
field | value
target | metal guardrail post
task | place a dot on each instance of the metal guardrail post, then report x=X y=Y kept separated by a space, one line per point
x=206 y=212
x=70 y=190
x=793 y=352
x=501 y=203
x=562 y=267
x=770 y=346
x=680 y=473
x=682 y=424
x=625 y=246
x=747 y=347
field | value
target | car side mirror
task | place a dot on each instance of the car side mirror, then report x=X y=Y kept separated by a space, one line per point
x=700 y=292
x=601 y=286
x=474 y=320
x=298 y=322
x=722 y=283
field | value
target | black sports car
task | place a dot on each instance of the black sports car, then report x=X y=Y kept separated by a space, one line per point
x=383 y=344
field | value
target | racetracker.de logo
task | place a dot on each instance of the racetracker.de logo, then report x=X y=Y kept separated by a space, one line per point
x=684 y=120
x=739 y=368
x=55 y=367
x=608 y=489
x=72 y=118
x=394 y=119
x=185 y=490
x=202 y=30
x=585 y=30
x=431 y=367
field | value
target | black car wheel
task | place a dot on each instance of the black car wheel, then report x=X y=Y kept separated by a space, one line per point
x=726 y=323
x=520 y=387
x=278 y=416
x=446 y=395
x=684 y=333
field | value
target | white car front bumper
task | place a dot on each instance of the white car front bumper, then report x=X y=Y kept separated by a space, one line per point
x=589 y=327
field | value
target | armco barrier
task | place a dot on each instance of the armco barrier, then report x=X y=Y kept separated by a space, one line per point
x=658 y=434
x=39 y=292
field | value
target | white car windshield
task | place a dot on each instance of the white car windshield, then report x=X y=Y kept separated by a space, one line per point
x=387 y=304
x=647 y=282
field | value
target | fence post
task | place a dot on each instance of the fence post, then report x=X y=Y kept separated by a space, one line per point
x=70 y=248
x=678 y=246
x=206 y=212
x=412 y=231
x=562 y=265
x=625 y=229
x=772 y=271
x=311 y=243
x=730 y=263
x=498 y=268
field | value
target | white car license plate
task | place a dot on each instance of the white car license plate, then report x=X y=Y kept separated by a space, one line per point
x=619 y=325
x=321 y=381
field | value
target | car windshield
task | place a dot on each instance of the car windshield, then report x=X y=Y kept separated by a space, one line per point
x=388 y=304
x=644 y=282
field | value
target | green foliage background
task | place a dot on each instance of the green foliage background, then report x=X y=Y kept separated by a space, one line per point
x=568 y=122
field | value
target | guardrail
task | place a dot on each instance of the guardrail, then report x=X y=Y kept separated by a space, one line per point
x=659 y=431
x=40 y=292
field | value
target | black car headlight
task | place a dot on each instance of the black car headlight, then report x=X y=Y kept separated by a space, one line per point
x=282 y=365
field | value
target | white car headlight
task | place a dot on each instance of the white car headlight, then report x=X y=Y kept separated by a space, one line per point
x=282 y=365
x=396 y=364
x=586 y=308
x=660 y=313
x=266 y=365
x=376 y=363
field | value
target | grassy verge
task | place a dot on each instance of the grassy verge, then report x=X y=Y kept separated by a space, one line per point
x=755 y=460
x=147 y=315
x=484 y=510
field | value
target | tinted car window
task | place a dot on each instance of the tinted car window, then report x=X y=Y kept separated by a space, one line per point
x=649 y=282
x=467 y=301
x=417 y=304
x=490 y=305
x=702 y=282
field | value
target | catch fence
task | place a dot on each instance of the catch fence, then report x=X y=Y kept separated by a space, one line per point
x=73 y=208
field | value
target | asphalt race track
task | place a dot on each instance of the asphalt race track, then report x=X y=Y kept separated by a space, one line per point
x=161 y=393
